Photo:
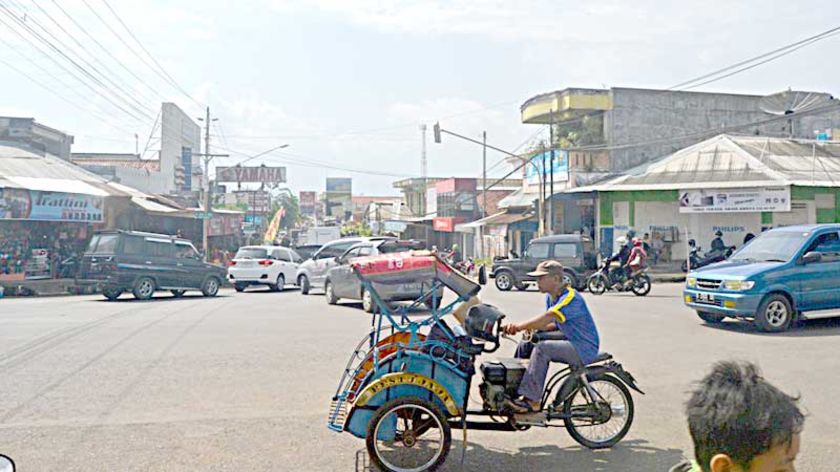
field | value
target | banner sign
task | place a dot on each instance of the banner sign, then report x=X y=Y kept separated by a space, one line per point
x=20 y=204
x=535 y=167
x=735 y=200
x=260 y=174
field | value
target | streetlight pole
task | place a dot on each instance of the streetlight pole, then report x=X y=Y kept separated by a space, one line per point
x=207 y=188
x=525 y=161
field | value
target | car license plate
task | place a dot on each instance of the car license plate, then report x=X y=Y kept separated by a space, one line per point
x=706 y=298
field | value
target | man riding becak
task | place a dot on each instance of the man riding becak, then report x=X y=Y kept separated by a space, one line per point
x=566 y=311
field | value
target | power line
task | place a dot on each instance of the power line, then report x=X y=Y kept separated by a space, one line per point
x=165 y=73
x=136 y=105
x=107 y=51
x=107 y=98
x=788 y=48
x=131 y=49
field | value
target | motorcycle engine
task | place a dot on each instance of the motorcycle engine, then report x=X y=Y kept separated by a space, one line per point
x=501 y=379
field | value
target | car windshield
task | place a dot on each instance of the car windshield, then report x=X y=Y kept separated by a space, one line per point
x=251 y=253
x=779 y=246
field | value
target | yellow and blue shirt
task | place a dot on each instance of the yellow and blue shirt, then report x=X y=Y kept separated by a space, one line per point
x=575 y=321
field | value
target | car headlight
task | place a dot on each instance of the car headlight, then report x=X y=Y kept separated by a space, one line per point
x=738 y=285
x=691 y=282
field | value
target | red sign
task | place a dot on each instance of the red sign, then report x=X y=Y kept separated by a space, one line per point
x=308 y=199
x=446 y=224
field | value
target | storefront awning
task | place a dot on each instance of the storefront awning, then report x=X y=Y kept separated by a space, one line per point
x=153 y=206
x=499 y=219
x=518 y=199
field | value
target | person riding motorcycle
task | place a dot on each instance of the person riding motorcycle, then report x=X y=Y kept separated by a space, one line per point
x=622 y=257
x=717 y=244
x=636 y=260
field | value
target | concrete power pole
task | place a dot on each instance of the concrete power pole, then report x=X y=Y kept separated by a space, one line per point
x=424 y=171
x=207 y=188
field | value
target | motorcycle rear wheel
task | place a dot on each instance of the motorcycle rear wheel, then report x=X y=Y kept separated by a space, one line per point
x=641 y=285
x=586 y=431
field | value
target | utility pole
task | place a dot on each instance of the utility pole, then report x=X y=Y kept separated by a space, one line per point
x=543 y=189
x=207 y=188
x=424 y=171
x=483 y=187
x=551 y=198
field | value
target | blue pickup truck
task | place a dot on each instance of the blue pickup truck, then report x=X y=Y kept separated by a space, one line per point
x=783 y=275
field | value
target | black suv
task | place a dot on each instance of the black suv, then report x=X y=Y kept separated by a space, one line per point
x=575 y=252
x=121 y=261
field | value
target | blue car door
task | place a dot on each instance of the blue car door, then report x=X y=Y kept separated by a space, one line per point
x=819 y=289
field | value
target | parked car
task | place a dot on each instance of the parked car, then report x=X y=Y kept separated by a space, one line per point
x=312 y=273
x=142 y=263
x=341 y=282
x=575 y=252
x=306 y=251
x=271 y=266
x=781 y=276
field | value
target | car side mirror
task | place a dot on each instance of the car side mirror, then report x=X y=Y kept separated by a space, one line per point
x=811 y=257
x=337 y=259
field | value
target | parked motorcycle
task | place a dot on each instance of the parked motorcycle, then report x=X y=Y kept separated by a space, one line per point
x=605 y=279
x=696 y=259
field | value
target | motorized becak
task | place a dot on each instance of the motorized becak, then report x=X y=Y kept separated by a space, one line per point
x=407 y=383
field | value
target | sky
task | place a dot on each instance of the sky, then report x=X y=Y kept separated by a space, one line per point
x=347 y=83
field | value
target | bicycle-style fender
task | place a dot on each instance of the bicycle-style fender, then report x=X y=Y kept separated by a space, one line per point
x=572 y=383
x=410 y=379
x=616 y=369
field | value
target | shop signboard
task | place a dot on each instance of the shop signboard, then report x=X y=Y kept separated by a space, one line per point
x=257 y=174
x=20 y=204
x=735 y=200
x=308 y=202
x=339 y=197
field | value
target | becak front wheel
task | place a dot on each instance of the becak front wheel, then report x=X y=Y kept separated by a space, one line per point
x=407 y=434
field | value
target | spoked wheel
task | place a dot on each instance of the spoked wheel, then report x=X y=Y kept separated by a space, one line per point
x=603 y=422
x=408 y=434
x=597 y=284
x=641 y=285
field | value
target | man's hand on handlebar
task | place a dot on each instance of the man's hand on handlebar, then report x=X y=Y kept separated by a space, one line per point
x=511 y=329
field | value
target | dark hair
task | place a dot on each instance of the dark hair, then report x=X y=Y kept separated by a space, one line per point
x=734 y=411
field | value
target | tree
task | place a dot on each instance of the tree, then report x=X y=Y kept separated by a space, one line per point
x=291 y=205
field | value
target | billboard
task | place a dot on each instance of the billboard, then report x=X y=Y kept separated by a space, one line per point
x=535 y=166
x=20 y=204
x=308 y=202
x=735 y=200
x=258 y=174
x=257 y=201
x=339 y=196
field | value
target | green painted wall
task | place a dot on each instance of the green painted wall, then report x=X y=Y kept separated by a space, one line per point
x=606 y=199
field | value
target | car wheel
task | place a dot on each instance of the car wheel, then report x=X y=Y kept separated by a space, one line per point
x=569 y=279
x=368 y=304
x=144 y=288
x=112 y=293
x=278 y=285
x=303 y=283
x=774 y=314
x=178 y=293
x=504 y=281
x=330 y=293
x=239 y=287
x=710 y=318
x=210 y=287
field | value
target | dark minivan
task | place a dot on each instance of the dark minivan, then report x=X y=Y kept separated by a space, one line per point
x=142 y=263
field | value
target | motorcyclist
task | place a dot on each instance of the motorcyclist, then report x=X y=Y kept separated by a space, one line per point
x=637 y=258
x=717 y=243
x=621 y=257
x=456 y=254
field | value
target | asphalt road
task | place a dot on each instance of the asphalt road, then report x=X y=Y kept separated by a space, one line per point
x=243 y=382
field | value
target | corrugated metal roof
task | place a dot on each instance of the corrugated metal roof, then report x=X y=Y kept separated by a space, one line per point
x=518 y=199
x=21 y=168
x=733 y=161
